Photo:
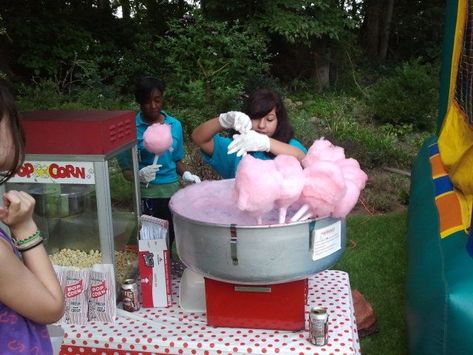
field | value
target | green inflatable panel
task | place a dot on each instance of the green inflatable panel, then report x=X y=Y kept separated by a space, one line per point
x=439 y=276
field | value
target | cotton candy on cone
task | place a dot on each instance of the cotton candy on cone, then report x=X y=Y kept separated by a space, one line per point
x=322 y=149
x=257 y=183
x=348 y=201
x=352 y=171
x=157 y=138
x=292 y=182
x=324 y=187
x=355 y=180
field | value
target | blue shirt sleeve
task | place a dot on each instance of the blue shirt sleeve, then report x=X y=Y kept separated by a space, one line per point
x=295 y=143
x=224 y=164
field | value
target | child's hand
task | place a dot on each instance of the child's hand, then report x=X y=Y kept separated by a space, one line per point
x=239 y=121
x=17 y=212
x=189 y=177
x=148 y=173
x=249 y=142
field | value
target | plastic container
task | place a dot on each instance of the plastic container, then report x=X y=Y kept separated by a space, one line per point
x=192 y=292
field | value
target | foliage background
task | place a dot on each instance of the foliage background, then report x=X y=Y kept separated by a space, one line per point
x=362 y=73
x=211 y=52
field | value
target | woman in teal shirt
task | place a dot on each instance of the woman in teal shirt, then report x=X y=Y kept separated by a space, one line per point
x=158 y=182
x=265 y=132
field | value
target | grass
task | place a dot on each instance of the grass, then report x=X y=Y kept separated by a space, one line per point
x=375 y=260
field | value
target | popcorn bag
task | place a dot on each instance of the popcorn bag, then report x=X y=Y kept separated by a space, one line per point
x=101 y=294
x=89 y=293
x=74 y=283
x=154 y=262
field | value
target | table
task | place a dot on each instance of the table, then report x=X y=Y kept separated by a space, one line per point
x=173 y=331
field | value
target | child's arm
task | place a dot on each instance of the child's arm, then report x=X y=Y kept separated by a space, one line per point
x=277 y=147
x=204 y=133
x=30 y=288
x=253 y=141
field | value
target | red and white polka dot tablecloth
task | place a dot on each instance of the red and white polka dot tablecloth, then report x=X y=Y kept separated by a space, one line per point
x=173 y=331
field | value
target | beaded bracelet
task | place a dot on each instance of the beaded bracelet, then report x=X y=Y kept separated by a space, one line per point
x=24 y=243
x=36 y=235
x=31 y=244
x=29 y=247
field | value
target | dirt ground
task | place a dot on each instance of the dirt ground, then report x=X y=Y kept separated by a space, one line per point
x=385 y=192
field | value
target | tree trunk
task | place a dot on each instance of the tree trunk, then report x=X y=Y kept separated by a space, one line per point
x=376 y=28
x=322 y=66
x=384 y=35
x=371 y=27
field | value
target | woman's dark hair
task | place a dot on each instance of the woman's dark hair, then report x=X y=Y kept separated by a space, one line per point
x=9 y=112
x=260 y=103
x=144 y=86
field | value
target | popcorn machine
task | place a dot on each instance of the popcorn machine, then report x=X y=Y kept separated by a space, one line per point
x=86 y=208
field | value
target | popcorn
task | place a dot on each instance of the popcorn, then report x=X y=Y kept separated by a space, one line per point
x=125 y=262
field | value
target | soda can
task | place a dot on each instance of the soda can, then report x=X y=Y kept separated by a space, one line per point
x=318 y=326
x=129 y=295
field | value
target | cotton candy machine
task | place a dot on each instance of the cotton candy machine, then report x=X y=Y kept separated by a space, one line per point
x=256 y=262
x=248 y=253
x=255 y=255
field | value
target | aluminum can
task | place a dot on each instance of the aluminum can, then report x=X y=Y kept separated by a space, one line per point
x=129 y=295
x=318 y=326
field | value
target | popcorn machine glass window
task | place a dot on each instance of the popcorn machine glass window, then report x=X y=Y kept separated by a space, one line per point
x=86 y=208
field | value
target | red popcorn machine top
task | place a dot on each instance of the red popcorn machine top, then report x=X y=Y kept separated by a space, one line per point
x=85 y=208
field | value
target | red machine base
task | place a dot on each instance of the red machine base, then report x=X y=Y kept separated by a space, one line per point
x=279 y=306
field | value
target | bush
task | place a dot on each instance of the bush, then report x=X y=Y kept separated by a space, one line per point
x=46 y=95
x=343 y=120
x=409 y=96
x=42 y=95
x=210 y=63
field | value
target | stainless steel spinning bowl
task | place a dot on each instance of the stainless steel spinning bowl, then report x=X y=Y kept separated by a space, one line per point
x=256 y=255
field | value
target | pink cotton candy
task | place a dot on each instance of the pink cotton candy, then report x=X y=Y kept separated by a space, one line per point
x=348 y=201
x=292 y=183
x=157 y=138
x=324 y=187
x=211 y=201
x=257 y=183
x=352 y=171
x=322 y=149
x=215 y=202
x=329 y=190
x=355 y=179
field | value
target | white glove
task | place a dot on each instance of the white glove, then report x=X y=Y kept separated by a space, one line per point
x=239 y=121
x=148 y=173
x=249 y=142
x=189 y=177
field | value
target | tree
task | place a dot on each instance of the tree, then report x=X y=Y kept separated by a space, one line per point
x=417 y=29
x=315 y=25
x=4 y=43
x=211 y=61
x=376 y=28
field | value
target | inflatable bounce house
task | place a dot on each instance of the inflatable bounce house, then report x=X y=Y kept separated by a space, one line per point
x=440 y=237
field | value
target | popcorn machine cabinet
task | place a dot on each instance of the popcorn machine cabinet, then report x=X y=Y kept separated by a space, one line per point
x=256 y=275
x=85 y=208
